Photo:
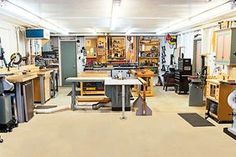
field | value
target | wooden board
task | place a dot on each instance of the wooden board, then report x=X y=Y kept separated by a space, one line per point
x=21 y=78
x=94 y=74
x=91 y=98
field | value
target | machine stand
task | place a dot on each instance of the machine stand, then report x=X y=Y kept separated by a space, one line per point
x=230 y=133
x=143 y=109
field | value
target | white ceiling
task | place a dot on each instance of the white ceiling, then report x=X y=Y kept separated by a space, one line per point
x=95 y=15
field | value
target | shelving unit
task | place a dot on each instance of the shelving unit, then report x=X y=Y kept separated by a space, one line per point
x=102 y=49
x=149 y=52
x=91 y=50
x=116 y=49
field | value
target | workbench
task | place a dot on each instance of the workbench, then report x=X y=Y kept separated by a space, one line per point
x=75 y=80
x=24 y=95
x=42 y=86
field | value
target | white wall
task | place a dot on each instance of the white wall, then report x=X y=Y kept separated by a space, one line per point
x=8 y=38
x=81 y=59
x=186 y=41
x=8 y=35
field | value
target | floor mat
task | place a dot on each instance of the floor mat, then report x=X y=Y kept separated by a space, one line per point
x=45 y=107
x=195 y=119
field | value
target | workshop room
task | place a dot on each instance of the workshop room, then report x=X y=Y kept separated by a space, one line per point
x=117 y=78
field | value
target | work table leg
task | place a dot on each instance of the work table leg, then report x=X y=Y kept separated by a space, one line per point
x=41 y=78
x=123 y=102
x=19 y=104
x=73 y=96
x=54 y=83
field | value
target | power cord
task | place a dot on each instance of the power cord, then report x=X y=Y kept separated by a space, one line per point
x=1 y=140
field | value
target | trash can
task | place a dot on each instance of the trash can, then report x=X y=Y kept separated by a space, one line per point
x=196 y=93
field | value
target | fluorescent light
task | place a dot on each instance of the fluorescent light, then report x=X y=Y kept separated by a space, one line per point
x=93 y=30
x=116 y=2
x=115 y=13
x=199 y=18
x=10 y=9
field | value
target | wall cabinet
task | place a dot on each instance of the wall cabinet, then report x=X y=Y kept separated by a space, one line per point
x=226 y=46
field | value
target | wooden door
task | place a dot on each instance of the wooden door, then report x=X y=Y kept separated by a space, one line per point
x=197 y=56
x=227 y=47
x=219 y=46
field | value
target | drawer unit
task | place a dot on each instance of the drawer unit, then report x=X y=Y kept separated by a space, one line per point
x=217 y=105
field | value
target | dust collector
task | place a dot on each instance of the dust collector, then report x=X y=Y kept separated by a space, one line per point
x=7 y=121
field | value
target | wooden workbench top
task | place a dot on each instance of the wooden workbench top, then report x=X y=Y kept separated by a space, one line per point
x=143 y=73
x=94 y=74
x=32 y=72
x=217 y=81
x=86 y=79
x=229 y=82
x=44 y=72
x=21 y=78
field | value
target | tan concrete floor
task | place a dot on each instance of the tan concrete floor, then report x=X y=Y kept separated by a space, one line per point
x=95 y=134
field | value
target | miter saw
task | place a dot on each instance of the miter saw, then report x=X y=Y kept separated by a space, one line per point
x=232 y=103
x=15 y=58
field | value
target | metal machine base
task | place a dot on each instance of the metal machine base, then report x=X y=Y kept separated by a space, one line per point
x=230 y=132
x=9 y=126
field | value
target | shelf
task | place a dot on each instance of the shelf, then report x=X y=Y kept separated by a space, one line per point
x=91 y=57
x=116 y=60
x=148 y=66
x=148 y=57
x=146 y=43
x=93 y=92
x=213 y=115
x=212 y=99
x=149 y=51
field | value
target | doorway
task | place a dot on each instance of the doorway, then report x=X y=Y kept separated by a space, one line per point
x=68 y=61
x=197 y=56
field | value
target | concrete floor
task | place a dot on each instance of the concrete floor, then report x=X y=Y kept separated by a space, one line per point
x=96 y=134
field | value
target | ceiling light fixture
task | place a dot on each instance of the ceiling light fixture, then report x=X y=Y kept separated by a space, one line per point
x=202 y=17
x=114 y=13
x=15 y=11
